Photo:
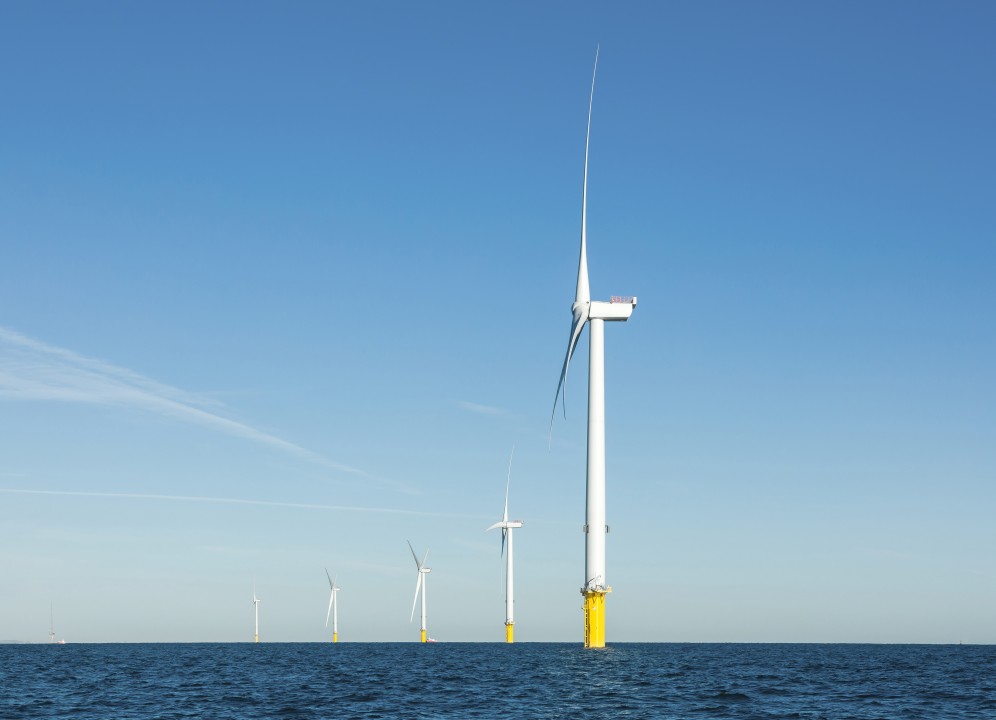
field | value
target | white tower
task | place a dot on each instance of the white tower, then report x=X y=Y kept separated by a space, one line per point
x=506 y=526
x=333 y=606
x=255 y=604
x=595 y=314
x=423 y=573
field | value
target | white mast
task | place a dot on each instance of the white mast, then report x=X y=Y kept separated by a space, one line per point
x=335 y=617
x=584 y=311
x=424 y=630
x=423 y=572
x=333 y=606
x=255 y=604
x=506 y=526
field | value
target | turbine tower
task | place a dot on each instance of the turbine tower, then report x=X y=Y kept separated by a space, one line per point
x=333 y=606
x=594 y=314
x=506 y=526
x=420 y=585
x=51 y=632
x=255 y=604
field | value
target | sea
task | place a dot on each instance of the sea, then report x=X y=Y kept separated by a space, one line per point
x=495 y=680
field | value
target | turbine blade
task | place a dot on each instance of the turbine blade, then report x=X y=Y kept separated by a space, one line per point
x=422 y=564
x=414 y=555
x=580 y=312
x=496 y=525
x=581 y=292
x=504 y=532
x=508 y=482
x=329 y=613
x=331 y=584
x=418 y=586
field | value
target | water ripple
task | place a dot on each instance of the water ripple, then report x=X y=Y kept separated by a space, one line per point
x=476 y=680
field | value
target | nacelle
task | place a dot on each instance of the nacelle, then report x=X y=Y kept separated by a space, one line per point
x=619 y=309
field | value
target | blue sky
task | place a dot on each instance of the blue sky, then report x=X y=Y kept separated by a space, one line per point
x=281 y=286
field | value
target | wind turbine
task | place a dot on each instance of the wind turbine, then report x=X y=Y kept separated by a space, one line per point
x=51 y=632
x=506 y=526
x=255 y=604
x=333 y=606
x=594 y=314
x=420 y=585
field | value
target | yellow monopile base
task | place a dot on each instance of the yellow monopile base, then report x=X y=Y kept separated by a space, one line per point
x=594 y=619
x=509 y=632
x=335 y=637
x=256 y=638
x=423 y=636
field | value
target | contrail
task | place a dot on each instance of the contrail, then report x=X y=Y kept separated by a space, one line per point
x=234 y=501
x=33 y=370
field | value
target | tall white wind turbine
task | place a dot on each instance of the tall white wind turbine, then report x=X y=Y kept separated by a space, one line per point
x=506 y=526
x=333 y=606
x=594 y=314
x=51 y=632
x=420 y=585
x=255 y=605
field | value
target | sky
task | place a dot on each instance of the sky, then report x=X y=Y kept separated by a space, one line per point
x=283 y=284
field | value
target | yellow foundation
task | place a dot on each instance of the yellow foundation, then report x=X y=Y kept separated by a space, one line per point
x=423 y=636
x=509 y=632
x=335 y=637
x=255 y=638
x=594 y=619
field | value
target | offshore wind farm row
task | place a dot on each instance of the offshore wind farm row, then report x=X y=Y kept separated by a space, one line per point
x=332 y=614
x=595 y=587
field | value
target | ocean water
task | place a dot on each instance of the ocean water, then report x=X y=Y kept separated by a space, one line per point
x=493 y=680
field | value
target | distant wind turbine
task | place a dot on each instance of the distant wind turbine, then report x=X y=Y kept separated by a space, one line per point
x=255 y=604
x=506 y=526
x=594 y=314
x=333 y=606
x=423 y=571
x=51 y=632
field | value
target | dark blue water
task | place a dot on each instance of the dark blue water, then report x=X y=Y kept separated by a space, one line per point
x=491 y=680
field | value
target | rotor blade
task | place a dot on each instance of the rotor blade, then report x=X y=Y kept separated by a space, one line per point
x=329 y=613
x=504 y=532
x=580 y=312
x=422 y=564
x=414 y=555
x=333 y=582
x=496 y=525
x=330 y=579
x=418 y=586
x=508 y=482
x=581 y=292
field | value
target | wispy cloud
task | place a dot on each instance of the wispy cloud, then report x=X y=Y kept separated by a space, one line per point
x=233 y=501
x=33 y=370
x=481 y=409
